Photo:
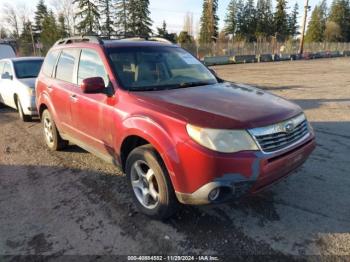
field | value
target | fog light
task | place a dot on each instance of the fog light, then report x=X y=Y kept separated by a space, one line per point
x=214 y=194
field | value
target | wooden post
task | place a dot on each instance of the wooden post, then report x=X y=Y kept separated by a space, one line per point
x=306 y=8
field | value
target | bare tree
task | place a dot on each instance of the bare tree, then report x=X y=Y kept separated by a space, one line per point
x=12 y=19
x=188 y=23
x=67 y=8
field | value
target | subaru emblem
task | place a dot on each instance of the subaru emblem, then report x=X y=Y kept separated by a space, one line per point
x=289 y=127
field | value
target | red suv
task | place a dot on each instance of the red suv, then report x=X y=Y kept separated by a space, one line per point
x=179 y=132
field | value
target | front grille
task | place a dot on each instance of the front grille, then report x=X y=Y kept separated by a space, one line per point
x=276 y=137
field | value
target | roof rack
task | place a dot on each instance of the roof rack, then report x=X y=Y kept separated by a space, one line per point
x=100 y=39
x=155 y=39
x=79 y=39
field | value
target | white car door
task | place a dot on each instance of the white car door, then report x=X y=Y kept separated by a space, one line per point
x=7 y=85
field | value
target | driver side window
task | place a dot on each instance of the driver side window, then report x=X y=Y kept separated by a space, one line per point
x=91 y=65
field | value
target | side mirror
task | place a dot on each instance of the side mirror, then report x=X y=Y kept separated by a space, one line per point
x=93 y=85
x=7 y=76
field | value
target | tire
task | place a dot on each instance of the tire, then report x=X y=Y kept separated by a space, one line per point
x=22 y=116
x=155 y=181
x=52 y=137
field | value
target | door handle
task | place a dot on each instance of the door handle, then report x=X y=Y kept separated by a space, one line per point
x=74 y=98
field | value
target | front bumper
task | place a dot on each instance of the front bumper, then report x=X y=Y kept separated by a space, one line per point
x=29 y=106
x=246 y=172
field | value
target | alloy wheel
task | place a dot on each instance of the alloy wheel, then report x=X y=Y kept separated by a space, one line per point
x=48 y=130
x=144 y=184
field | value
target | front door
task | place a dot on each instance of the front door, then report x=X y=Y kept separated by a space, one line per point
x=92 y=114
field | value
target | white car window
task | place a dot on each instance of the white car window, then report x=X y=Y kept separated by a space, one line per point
x=7 y=72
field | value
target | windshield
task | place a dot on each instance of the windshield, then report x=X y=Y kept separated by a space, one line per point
x=158 y=68
x=27 y=69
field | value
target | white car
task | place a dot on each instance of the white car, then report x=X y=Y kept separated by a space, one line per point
x=6 y=50
x=17 y=84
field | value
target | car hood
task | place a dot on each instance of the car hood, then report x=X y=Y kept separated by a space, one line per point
x=223 y=105
x=30 y=82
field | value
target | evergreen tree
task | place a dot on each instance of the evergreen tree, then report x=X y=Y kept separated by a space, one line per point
x=317 y=24
x=293 y=21
x=139 y=15
x=163 y=32
x=249 y=18
x=106 y=10
x=50 y=32
x=281 y=20
x=62 y=28
x=122 y=20
x=264 y=19
x=89 y=15
x=184 y=38
x=25 y=40
x=340 y=14
x=240 y=34
x=40 y=14
x=231 y=18
x=209 y=22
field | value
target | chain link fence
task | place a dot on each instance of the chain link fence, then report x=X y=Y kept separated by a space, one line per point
x=243 y=48
x=224 y=49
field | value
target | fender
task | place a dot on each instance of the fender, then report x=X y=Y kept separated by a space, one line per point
x=44 y=99
x=155 y=134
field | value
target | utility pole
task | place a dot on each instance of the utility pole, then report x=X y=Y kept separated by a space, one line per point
x=33 y=43
x=306 y=9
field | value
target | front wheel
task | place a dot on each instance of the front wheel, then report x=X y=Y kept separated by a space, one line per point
x=150 y=184
x=52 y=136
x=22 y=116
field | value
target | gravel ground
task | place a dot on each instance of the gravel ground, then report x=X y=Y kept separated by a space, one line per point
x=72 y=203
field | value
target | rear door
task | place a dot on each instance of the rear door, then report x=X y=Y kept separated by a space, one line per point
x=92 y=114
x=61 y=86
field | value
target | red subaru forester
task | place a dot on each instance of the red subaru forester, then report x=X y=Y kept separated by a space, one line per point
x=180 y=133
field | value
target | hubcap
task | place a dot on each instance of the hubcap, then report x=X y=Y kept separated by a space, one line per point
x=48 y=130
x=144 y=184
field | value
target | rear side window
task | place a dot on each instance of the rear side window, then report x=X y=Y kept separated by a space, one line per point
x=91 y=65
x=50 y=62
x=65 y=65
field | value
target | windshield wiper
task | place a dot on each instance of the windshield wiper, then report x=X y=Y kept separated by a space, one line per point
x=168 y=87
x=193 y=84
x=147 y=88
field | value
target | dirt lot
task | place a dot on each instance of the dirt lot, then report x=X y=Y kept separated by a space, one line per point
x=71 y=202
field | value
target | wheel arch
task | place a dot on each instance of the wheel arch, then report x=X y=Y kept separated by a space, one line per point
x=140 y=131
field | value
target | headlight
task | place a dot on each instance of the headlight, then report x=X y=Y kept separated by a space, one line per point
x=225 y=141
x=31 y=91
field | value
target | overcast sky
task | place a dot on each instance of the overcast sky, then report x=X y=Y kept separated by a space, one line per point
x=173 y=11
